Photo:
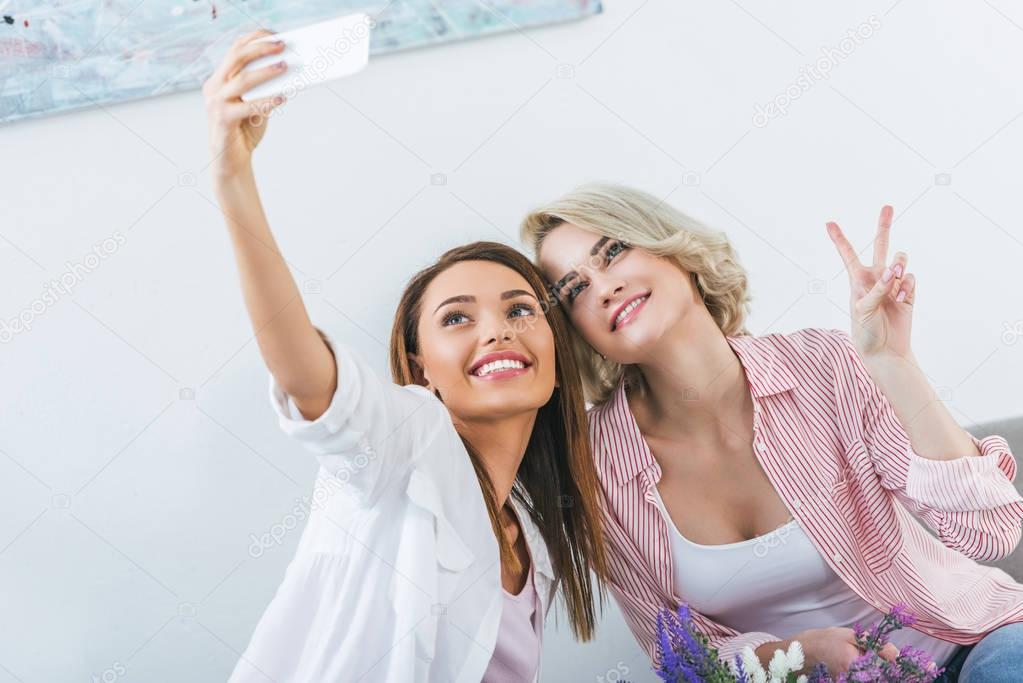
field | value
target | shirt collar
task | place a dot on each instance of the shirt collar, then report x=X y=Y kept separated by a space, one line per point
x=767 y=373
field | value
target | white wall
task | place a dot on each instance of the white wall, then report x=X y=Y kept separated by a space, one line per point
x=126 y=511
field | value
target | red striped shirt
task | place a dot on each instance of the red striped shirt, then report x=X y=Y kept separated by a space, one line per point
x=832 y=446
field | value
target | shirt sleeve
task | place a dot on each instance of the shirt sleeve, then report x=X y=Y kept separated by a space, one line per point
x=371 y=431
x=969 y=501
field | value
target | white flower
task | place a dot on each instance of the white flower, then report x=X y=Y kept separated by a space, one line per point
x=751 y=663
x=802 y=678
x=794 y=657
x=779 y=665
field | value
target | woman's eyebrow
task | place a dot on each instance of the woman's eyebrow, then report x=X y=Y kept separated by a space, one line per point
x=512 y=293
x=460 y=299
x=468 y=299
x=571 y=274
x=561 y=283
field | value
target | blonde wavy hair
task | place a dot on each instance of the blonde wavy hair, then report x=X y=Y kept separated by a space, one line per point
x=641 y=220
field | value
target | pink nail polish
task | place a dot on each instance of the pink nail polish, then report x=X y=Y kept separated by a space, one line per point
x=901 y=297
x=898 y=270
x=887 y=275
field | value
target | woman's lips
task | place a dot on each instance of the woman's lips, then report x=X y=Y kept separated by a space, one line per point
x=506 y=373
x=490 y=365
x=631 y=315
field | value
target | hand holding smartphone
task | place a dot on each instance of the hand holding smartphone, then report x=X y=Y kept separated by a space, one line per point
x=316 y=53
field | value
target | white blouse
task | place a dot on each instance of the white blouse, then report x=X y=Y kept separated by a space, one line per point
x=397 y=576
x=776 y=583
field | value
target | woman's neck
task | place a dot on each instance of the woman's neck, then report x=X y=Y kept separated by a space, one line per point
x=501 y=444
x=694 y=381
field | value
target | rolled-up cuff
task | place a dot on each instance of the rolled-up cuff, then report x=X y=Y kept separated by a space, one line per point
x=341 y=407
x=967 y=483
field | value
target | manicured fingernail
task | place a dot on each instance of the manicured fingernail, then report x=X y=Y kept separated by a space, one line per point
x=898 y=270
x=280 y=65
x=887 y=275
x=901 y=297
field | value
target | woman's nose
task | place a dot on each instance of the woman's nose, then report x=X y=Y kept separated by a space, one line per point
x=498 y=330
x=609 y=290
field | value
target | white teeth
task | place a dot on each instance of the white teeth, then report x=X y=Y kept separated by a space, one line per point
x=628 y=309
x=497 y=365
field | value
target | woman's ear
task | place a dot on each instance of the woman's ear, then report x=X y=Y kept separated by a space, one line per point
x=419 y=371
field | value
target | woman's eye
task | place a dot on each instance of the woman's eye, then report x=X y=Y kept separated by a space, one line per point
x=524 y=309
x=575 y=290
x=614 y=249
x=453 y=318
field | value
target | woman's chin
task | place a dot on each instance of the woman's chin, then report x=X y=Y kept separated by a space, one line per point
x=507 y=402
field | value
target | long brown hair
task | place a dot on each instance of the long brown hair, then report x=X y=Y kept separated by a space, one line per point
x=557 y=480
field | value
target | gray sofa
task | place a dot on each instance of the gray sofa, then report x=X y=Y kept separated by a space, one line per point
x=1012 y=430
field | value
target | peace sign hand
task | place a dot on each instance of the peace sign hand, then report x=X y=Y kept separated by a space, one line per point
x=881 y=295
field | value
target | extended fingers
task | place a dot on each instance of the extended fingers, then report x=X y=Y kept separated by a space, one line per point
x=845 y=248
x=884 y=225
x=251 y=51
x=246 y=80
x=241 y=52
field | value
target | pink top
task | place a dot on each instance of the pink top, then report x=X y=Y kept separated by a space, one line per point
x=834 y=450
x=517 y=652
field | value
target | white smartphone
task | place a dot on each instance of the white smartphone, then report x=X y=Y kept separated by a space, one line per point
x=314 y=54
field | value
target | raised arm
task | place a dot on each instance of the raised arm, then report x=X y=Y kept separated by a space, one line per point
x=960 y=485
x=293 y=351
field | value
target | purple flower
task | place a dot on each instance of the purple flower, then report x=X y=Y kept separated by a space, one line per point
x=820 y=675
x=685 y=656
x=740 y=671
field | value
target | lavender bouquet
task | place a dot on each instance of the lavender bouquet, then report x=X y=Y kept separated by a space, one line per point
x=685 y=656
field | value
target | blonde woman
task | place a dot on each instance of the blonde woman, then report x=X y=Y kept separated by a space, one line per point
x=776 y=483
x=461 y=495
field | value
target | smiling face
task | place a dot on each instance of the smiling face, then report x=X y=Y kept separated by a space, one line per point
x=622 y=300
x=484 y=342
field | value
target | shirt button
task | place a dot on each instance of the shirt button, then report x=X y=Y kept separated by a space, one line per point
x=761 y=446
x=796 y=504
x=838 y=558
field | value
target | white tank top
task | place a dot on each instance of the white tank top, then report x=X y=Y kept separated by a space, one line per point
x=776 y=583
